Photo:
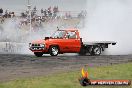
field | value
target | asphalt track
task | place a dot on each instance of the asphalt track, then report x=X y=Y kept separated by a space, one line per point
x=13 y=66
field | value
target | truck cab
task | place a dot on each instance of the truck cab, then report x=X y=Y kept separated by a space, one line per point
x=62 y=41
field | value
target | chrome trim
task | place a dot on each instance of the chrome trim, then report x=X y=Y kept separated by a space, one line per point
x=36 y=46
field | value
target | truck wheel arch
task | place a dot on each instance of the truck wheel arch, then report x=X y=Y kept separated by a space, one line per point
x=54 y=45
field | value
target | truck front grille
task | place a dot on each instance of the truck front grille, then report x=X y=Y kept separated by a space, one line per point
x=36 y=47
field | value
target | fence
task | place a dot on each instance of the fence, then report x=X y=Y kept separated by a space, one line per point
x=12 y=47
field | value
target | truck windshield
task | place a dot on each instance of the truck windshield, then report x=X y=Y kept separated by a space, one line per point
x=58 y=34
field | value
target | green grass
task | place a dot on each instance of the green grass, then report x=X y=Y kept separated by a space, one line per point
x=70 y=79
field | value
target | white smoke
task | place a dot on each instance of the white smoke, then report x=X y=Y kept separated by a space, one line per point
x=15 y=38
x=110 y=20
x=107 y=20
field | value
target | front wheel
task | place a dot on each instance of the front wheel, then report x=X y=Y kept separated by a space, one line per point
x=38 y=54
x=54 y=50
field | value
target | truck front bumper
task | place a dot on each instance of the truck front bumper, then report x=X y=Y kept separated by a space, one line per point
x=39 y=49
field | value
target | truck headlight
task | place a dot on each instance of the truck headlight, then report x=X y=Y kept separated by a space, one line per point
x=42 y=45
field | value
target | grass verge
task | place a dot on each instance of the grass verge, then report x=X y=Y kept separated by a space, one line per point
x=70 y=79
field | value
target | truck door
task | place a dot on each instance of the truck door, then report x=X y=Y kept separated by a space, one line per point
x=72 y=42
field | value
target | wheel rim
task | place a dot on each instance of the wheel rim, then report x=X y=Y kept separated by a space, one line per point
x=54 y=50
x=97 y=51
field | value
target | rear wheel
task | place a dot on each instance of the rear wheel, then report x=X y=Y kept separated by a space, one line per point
x=38 y=54
x=82 y=52
x=96 y=51
x=54 y=50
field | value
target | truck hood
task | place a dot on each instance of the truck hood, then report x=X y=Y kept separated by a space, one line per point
x=41 y=41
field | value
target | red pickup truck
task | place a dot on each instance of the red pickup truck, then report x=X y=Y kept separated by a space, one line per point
x=67 y=41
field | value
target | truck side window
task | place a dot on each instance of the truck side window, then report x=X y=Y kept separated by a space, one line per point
x=71 y=35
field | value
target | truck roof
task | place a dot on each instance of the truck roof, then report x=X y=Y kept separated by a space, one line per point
x=70 y=29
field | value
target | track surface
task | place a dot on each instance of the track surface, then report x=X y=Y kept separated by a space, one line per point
x=14 y=66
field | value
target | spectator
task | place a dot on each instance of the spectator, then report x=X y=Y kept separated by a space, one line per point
x=1 y=12
x=45 y=13
x=34 y=11
x=55 y=11
x=42 y=11
x=49 y=12
x=49 y=9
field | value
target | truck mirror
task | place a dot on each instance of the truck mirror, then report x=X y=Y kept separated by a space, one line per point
x=46 y=38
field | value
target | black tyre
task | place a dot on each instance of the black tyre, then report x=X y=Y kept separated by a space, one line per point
x=96 y=51
x=38 y=54
x=82 y=52
x=54 y=50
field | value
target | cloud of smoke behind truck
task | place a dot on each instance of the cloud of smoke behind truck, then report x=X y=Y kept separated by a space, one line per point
x=110 y=20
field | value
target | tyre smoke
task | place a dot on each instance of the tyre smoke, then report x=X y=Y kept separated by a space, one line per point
x=107 y=20
x=110 y=20
x=15 y=37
